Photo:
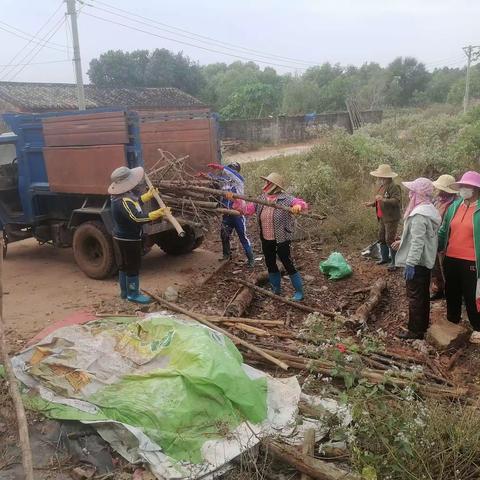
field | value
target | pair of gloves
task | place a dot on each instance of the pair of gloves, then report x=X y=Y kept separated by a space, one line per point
x=160 y=212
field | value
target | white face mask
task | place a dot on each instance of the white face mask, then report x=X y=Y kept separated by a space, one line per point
x=466 y=193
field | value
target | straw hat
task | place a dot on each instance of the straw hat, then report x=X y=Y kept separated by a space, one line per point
x=384 y=171
x=124 y=179
x=276 y=179
x=469 y=179
x=443 y=183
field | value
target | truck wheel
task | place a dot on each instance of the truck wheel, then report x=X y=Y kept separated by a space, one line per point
x=93 y=250
x=172 y=244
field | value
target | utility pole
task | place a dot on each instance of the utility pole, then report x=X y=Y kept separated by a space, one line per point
x=472 y=52
x=76 y=54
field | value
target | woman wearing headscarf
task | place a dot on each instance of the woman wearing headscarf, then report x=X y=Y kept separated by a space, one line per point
x=417 y=251
x=277 y=230
x=444 y=197
x=459 y=239
x=387 y=203
x=128 y=218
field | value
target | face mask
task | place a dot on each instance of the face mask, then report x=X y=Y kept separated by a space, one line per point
x=466 y=193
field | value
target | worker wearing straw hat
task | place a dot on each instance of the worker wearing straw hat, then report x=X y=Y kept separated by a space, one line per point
x=387 y=203
x=128 y=218
x=277 y=230
x=444 y=197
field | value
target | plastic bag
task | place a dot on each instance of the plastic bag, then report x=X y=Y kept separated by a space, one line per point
x=336 y=267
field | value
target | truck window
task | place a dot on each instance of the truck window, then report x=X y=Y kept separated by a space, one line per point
x=7 y=153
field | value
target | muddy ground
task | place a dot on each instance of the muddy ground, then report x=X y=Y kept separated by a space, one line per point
x=44 y=285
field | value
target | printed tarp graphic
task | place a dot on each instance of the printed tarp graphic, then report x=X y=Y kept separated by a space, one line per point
x=162 y=390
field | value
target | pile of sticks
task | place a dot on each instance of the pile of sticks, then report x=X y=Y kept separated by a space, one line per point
x=193 y=197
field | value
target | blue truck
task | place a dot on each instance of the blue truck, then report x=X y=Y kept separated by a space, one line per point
x=55 y=169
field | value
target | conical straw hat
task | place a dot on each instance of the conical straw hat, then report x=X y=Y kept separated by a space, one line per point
x=444 y=183
x=276 y=179
x=384 y=171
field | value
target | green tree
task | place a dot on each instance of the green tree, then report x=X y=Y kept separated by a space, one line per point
x=251 y=101
x=441 y=82
x=406 y=76
x=300 y=96
x=457 y=90
x=140 y=68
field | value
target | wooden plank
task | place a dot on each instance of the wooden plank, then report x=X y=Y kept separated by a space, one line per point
x=85 y=127
x=86 y=116
x=87 y=138
x=179 y=136
x=175 y=125
x=84 y=170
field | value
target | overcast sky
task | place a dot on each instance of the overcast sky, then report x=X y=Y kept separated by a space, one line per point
x=344 y=31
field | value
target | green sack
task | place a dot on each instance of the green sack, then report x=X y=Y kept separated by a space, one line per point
x=336 y=267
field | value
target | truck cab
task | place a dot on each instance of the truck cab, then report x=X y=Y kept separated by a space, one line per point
x=54 y=173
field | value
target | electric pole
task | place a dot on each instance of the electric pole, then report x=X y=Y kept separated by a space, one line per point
x=472 y=52
x=76 y=54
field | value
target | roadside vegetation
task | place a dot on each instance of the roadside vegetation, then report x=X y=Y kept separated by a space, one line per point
x=334 y=175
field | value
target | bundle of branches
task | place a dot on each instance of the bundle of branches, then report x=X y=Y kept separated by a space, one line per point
x=192 y=196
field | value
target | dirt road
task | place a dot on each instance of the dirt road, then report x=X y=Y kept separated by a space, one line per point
x=43 y=284
x=268 y=152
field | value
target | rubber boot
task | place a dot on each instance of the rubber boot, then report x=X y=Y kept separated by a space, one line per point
x=250 y=259
x=122 y=280
x=134 y=295
x=275 y=282
x=392 y=267
x=384 y=253
x=298 y=286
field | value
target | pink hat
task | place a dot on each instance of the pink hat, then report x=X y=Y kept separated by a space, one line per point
x=421 y=185
x=469 y=179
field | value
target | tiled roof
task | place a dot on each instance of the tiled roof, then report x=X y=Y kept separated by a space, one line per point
x=35 y=97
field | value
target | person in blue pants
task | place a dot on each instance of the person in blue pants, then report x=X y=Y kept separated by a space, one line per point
x=230 y=180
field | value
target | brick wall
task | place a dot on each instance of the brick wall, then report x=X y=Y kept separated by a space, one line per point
x=285 y=129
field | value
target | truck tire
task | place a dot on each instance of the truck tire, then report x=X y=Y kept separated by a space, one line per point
x=172 y=244
x=93 y=250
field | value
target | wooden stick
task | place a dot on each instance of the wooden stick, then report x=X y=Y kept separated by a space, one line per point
x=267 y=293
x=313 y=467
x=161 y=204
x=13 y=389
x=223 y=193
x=200 y=318
x=308 y=448
x=453 y=359
x=249 y=329
x=360 y=317
x=255 y=321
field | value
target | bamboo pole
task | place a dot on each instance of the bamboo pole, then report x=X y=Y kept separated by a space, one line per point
x=168 y=216
x=223 y=193
x=267 y=293
x=14 y=391
x=201 y=318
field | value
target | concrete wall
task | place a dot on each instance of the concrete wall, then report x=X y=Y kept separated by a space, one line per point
x=285 y=129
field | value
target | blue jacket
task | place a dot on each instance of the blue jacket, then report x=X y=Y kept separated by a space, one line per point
x=230 y=181
x=128 y=216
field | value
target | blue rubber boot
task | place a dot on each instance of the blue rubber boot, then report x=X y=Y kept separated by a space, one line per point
x=275 y=281
x=122 y=280
x=384 y=254
x=134 y=295
x=250 y=259
x=298 y=286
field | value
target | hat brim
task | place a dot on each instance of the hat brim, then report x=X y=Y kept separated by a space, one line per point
x=443 y=188
x=409 y=185
x=135 y=177
x=275 y=183
x=378 y=174
x=457 y=185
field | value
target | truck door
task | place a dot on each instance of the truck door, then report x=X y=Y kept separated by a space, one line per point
x=10 y=204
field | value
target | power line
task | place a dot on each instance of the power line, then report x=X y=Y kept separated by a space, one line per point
x=34 y=53
x=33 y=38
x=35 y=63
x=194 y=36
x=27 y=36
x=187 y=43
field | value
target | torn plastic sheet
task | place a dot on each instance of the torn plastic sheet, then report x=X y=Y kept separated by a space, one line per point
x=101 y=372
